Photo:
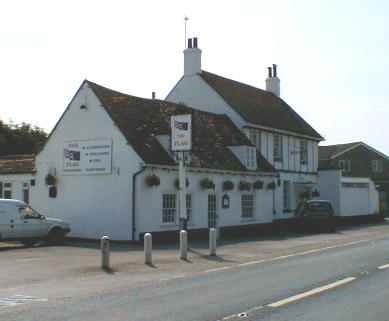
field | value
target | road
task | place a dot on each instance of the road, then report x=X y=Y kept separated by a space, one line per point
x=340 y=283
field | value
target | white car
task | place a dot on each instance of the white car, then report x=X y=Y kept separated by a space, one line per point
x=20 y=222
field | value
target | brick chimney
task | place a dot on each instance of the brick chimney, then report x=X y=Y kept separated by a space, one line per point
x=272 y=81
x=192 y=58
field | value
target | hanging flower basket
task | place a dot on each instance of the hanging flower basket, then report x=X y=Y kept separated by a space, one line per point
x=51 y=180
x=152 y=180
x=206 y=183
x=271 y=186
x=177 y=183
x=244 y=186
x=228 y=186
x=258 y=184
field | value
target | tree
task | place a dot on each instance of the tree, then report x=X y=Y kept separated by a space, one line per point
x=21 y=139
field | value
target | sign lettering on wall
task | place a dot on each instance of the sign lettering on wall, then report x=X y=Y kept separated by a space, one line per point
x=87 y=157
x=181 y=126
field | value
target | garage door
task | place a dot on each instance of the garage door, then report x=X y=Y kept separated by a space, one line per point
x=354 y=199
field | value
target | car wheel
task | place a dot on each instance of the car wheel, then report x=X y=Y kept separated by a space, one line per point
x=56 y=236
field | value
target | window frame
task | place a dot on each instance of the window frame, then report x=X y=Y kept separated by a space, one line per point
x=278 y=148
x=286 y=197
x=303 y=152
x=345 y=165
x=377 y=166
x=7 y=188
x=170 y=210
x=247 y=206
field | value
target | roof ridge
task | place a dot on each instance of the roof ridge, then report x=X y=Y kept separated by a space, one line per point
x=242 y=83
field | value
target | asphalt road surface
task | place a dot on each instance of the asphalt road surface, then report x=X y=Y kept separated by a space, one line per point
x=344 y=283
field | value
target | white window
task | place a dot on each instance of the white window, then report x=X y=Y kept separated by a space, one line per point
x=286 y=195
x=189 y=207
x=277 y=148
x=169 y=208
x=247 y=205
x=251 y=158
x=377 y=166
x=345 y=165
x=255 y=137
x=303 y=152
x=7 y=190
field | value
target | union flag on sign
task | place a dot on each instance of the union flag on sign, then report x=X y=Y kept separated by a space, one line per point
x=72 y=155
x=180 y=125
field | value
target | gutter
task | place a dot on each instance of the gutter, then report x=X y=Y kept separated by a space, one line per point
x=214 y=171
x=134 y=199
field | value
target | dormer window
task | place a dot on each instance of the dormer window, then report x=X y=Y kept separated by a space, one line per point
x=251 y=158
x=277 y=148
x=303 y=152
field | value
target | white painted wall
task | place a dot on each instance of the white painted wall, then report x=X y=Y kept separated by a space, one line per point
x=359 y=201
x=17 y=181
x=149 y=209
x=330 y=186
x=348 y=201
x=196 y=93
x=94 y=205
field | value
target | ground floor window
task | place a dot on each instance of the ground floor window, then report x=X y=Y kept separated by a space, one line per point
x=169 y=208
x=286 y=195
x=247 y=205
x=7 y=191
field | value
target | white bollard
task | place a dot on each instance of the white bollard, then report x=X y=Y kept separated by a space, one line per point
x=183 y=245
x=105 y=251
x=212 y=241
x=148 y=247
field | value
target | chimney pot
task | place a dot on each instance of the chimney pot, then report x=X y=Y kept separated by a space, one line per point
x=269 y=72
x=153 y=95
x=274 y=70
x=190 y=43
x=195 y=42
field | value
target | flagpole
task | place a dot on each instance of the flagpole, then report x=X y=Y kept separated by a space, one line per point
x=185 y=19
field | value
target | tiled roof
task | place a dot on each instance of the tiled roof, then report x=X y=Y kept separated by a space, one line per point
x=258 y=106
x=141 y=120
x=17 y=164
x=326 y=152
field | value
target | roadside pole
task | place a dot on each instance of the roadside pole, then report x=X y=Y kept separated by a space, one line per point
x=182 y=185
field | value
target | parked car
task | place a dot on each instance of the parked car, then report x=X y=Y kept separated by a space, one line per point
x=20 y=222
x=315 y=214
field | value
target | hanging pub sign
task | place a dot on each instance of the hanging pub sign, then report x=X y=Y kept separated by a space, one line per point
x=181 y=137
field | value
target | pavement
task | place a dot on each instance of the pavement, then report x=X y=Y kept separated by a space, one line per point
x=66 y=283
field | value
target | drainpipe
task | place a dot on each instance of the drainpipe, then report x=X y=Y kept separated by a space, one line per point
x=134 y=199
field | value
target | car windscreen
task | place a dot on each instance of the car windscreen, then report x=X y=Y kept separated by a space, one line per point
x=319 y=208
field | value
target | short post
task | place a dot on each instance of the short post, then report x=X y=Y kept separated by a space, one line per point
x=183 y=245
x=212 y=242
x=148 y=247
x=105 y=251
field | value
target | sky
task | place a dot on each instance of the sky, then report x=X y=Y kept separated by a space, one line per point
x=332 y=55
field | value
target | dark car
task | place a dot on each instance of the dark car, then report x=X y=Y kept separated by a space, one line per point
x=315 y=214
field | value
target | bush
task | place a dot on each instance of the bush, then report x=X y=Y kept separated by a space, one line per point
x=258 y=184
x=206 y=183
x=50 y=180
x=177 y=183
x=228 y=186
x=244 y=186
x=271 y=186
x=152 y=180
